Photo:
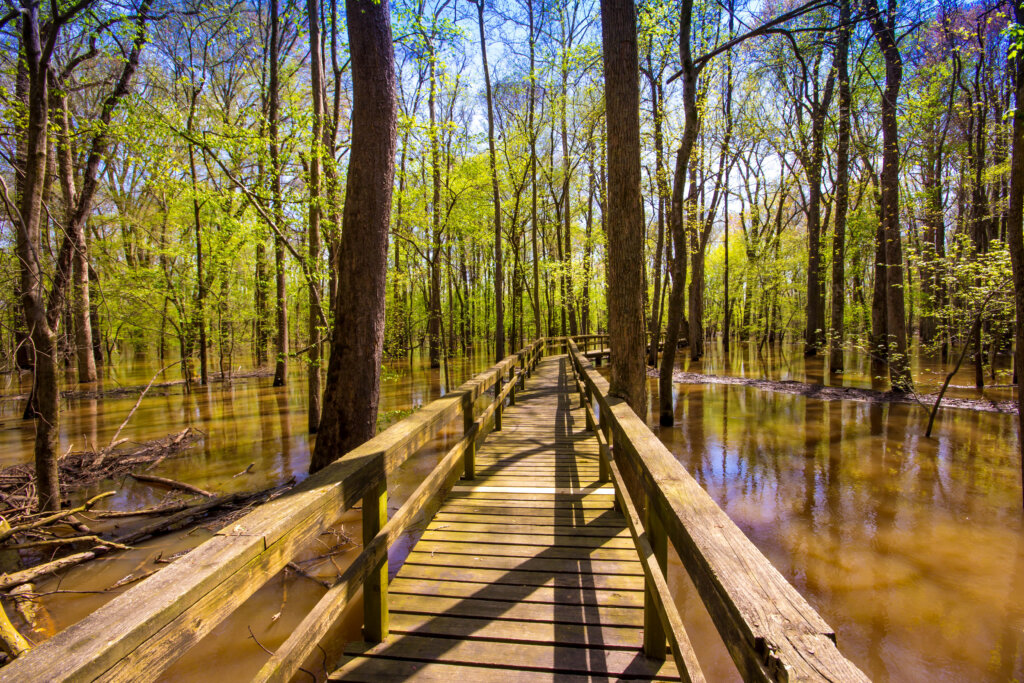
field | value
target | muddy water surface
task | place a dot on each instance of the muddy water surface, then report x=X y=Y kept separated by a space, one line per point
x=242 y=422
x=911 y=548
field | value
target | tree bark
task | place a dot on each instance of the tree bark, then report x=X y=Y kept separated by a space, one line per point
x=625 y=209
x=353 y=373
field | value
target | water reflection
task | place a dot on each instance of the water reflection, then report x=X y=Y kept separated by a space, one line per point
x=909 y=547
x=241 y=422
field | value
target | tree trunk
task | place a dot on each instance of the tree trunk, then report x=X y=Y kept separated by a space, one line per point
x=675 y=303
x=281 y=366
x=315 y=212
x=659 y=181
x=499 y=297
x=434 y=305
x=625 y=209
x=80 y=261
x=842 y=191
x=884 y=29
x=353 y=373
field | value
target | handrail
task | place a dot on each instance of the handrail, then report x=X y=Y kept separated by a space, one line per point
x=142 y=631
x=661 y=617
x=287 y=659
x=769 y=629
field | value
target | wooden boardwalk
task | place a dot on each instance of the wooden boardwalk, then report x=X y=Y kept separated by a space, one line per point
x=527 y=572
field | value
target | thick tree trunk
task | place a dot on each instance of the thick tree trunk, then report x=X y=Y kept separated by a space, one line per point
x=674 y=323
x=814 y=337
x=353 y=373
x=625 y=209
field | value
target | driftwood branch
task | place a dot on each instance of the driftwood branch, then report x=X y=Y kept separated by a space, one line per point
x=171 y=483
x=49 y=519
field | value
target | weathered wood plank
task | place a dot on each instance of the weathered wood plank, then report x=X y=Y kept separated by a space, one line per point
x=539 y=563
x=543 y=577
x=561 y=659
x=482 y=608
x=518 y=593
x=600 y=636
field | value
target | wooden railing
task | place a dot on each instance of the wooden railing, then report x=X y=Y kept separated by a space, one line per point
x=771 y=632
x=141 y=632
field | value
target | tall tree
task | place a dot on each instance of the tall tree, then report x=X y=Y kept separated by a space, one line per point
x=316 y=199
x=499 y=297
x=42 y=307
x=353 y=372
x=835 y=362
x=883 y=26
x=273 y=125
x=625 y=208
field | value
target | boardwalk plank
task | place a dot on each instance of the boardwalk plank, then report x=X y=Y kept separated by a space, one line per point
x=526 y=572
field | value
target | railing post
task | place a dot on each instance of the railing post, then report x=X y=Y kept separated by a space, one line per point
x=469 y=459
x=375 y=589
x=499 y=406
x=603 y=472
x=515 y=384
x=589 y=413
x=654 y=630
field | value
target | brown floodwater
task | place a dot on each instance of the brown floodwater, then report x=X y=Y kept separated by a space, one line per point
x=909 y=547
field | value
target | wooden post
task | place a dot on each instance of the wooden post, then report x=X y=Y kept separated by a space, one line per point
x=654 y=630
x=603 y=474
x=375 y=589
x=589 y=413
x=515 y=384
x=498 y=407
x=469 y=459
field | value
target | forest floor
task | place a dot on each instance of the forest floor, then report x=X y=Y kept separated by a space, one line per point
x=827 y=393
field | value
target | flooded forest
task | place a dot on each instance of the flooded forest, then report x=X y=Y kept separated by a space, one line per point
x=239 y=238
